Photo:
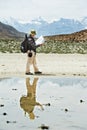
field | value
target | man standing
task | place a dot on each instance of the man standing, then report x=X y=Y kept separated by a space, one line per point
x=31 y=54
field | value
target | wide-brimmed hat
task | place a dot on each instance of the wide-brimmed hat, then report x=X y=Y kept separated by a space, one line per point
x=33 y=32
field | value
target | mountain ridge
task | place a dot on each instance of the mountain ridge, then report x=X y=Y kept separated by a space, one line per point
x=61 y=43
x=60 y=26
x=9 y=32
x=80 y=36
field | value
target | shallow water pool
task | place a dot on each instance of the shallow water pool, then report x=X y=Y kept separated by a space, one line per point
x=58 y=103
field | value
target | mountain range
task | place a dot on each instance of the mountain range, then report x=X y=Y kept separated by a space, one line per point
x=76 y=42
x=61 y=26
x=9 y=32
x=76 y=37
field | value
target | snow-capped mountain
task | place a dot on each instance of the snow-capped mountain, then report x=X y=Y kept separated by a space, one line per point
x=61 y=26
x=84 y=22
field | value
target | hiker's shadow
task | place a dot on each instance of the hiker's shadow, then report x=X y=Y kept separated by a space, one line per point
x=29 y=102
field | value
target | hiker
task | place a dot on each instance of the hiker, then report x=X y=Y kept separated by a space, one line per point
x=31 y=54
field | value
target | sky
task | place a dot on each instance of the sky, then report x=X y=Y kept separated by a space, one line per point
x=26 y=10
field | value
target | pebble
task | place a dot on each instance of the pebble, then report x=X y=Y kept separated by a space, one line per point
x=44 y=127
x=4 y=113
x=81 y=101
x=66 y=110
x=7 y=121
x=1 y=105
x=14 y=89
x=48 y=104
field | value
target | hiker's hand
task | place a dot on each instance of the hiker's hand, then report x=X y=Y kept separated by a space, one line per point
x=41 y=44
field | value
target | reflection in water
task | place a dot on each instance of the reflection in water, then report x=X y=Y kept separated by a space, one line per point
x=63 y=93
x=28 y=102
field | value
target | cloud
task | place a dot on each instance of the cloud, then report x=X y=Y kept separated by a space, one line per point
x=49 y=9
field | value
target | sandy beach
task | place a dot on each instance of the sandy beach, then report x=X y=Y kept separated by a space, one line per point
x=50 y=64
x=56 y=99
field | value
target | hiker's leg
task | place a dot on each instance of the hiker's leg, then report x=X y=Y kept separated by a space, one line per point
x=27 y=65
x=35 y=64
x=29 y=62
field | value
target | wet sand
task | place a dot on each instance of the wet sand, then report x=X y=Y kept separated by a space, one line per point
x=50 y=64
x=63 y=85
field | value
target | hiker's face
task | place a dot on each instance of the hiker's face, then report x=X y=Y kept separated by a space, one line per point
x=33 y=35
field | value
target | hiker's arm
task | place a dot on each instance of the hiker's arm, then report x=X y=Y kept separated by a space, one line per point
x=39 y=45
x=38 y=104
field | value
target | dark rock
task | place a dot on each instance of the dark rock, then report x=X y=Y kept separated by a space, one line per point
x=7 y=121
x=1 y=105
x=48 y=104
x=66 y=110
x=4 y=113
x=14 y=89
x=81 y=101
x=44 y=127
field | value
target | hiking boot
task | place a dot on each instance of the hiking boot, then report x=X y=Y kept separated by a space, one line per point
x=29 y=73
x=38 y=72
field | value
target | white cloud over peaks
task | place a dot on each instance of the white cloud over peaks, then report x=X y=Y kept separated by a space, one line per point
x=49 y=9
